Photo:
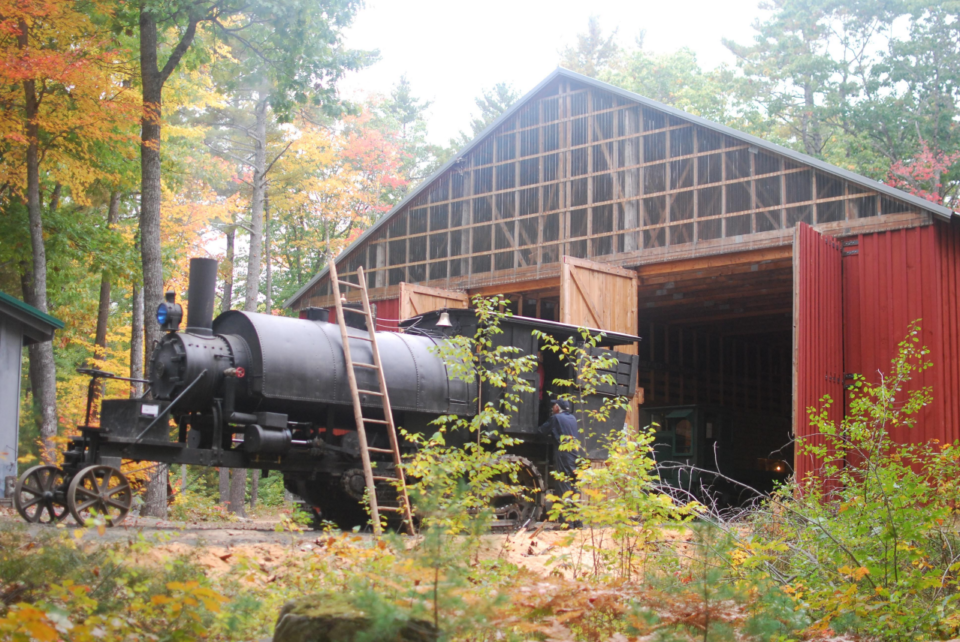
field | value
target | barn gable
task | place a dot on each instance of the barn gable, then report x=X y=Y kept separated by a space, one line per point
x=584 y=169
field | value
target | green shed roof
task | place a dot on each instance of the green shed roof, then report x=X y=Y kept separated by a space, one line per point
x=39 y=325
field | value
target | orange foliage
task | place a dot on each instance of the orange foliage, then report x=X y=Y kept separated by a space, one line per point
x=84 y=103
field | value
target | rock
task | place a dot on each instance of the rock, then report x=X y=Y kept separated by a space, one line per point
x=329 y=617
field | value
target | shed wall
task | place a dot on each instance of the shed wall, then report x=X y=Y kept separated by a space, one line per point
x=11 y=350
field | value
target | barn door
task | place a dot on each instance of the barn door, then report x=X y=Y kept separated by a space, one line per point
x=419 y=299
x=817 y=334
x=604 y=297
x=598 y=296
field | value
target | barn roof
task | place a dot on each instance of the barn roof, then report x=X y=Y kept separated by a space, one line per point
x=939 y=211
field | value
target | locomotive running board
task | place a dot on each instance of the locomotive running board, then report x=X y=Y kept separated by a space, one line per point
x=361 y=421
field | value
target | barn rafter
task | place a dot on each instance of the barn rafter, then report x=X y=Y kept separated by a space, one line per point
x=585 y=169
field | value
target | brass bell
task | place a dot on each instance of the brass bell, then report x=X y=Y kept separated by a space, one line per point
x=444 y=321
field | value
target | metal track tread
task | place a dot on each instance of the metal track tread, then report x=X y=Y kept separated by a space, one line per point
x=355 y=392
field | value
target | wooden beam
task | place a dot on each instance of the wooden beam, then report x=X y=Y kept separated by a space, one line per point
x=515 y=287
x=715 y=261
x=714 y=297
x=725 y=271
x=599 y=267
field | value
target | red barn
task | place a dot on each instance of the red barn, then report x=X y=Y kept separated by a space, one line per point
x=759 y=278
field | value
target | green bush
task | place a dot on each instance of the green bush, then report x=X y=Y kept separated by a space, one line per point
x=868 y=543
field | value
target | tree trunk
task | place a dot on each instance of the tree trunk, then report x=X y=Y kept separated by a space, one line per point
x=238 y=492
x=238 y=479
x=256 y=209
x=136 y=342
x=268 y=307
x=226 y=303
x=224 y=480
x=150 y=186
x=153 y=78
x=33 y=365
x=103 y=311
x=45 y=390
x=268 y=303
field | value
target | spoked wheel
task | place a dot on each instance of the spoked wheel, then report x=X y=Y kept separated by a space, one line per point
x=525 y=507
x=99 y=491
x=39 y=495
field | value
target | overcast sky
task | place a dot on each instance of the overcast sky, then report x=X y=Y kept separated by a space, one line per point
x=451 y=50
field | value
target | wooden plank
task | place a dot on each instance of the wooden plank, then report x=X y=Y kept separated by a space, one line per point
x=521 y=287
x=419 y=299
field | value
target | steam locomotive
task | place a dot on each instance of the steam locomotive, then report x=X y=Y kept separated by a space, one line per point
x=266 y=392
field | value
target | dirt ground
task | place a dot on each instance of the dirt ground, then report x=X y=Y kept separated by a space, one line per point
x=536 y=548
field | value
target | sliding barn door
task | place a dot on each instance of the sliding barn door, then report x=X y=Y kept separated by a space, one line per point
x=603 y=297
x=817 y=335
x=419 y=299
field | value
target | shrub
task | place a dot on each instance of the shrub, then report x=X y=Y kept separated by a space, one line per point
x=868 y=543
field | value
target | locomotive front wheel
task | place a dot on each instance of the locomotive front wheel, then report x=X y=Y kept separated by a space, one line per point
x=99 y=491
x=38 y=495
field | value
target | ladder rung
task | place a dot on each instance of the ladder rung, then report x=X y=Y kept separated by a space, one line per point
x=369 y=366
x=367 y=339
x=348 y=283
x=385 y=451
x=395 y=509
x=376 y=421
x=369 y=392
x=357 y=310
x=382 y=478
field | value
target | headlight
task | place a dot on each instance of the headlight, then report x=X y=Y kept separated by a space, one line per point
x=169 y=313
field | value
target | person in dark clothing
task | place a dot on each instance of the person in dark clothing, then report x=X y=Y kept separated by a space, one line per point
x=562 y=427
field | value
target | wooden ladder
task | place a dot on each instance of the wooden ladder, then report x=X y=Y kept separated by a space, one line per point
x=355 y=392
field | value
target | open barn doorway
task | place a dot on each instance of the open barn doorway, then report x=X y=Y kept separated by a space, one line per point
x=716 y=367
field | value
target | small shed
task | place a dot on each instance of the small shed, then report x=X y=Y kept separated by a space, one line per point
x=20 y=325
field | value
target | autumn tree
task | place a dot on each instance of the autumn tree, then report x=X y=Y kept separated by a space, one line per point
x=61 y=94
x=329 y=188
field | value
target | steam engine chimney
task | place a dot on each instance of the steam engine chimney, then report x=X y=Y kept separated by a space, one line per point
x=200 y=296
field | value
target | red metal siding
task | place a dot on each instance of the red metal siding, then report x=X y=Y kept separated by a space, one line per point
x=388 y=313
x=948 y=246
x=817 y=334
x=891 y=279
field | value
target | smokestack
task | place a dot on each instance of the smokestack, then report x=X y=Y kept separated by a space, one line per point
x=200 y=296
